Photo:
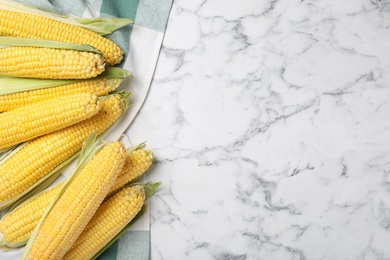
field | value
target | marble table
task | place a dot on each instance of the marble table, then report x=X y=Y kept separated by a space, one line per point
x=270 y=125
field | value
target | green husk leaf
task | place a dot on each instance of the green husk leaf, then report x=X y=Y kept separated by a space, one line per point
x=10 y=85
x=136 y=147
x=104 y=26
x=8 y=41
x=86 y=151
x=101 y=26
x=150 y=188
x=90 y=148
x=115 y=72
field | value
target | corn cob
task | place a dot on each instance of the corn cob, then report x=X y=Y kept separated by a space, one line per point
x=36 y=119
x=17 y=227
x=137 y=162
x=111 y=217
x=49 y=63
x=77 y=204
x=20 y=223
x=98 y=86
x=34 y=161
x=33 y=26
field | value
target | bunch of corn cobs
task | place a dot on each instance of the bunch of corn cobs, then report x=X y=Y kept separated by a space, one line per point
x=72 y=101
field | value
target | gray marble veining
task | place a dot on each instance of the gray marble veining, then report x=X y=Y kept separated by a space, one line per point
x=270 y=124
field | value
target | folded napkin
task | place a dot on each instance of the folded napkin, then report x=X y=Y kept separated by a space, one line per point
x=141 y=43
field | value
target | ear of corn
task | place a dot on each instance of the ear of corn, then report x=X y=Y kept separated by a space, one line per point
x=98 y=86
x=137 y=162
x=48 y=63
x=39 y=159
x=102 y=26
x=18 y=225
x=75 y=204
x=35 y=26
x=45 y=59
x=111 y=217
x=39 y=118
x=11 y=85
x=149 y=189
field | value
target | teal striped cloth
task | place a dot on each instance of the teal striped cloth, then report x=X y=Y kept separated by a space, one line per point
x=141 y=43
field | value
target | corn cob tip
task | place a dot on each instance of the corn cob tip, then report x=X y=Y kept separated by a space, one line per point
x=138 y=189
x=114 y=83
x=149 y=156
x=149 y=153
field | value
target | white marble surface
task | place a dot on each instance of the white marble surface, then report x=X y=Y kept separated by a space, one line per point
x=270 y=124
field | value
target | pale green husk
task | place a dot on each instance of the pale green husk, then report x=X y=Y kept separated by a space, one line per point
x=102 y=26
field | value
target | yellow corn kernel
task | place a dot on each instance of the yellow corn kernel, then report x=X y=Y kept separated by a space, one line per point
x=34 y=26
x=99 y=87
x=16 y=227
x=40 y=156
x=46 y=116
x=49 y=63
x=137 y=162
x=111 y=217
x=77 y=204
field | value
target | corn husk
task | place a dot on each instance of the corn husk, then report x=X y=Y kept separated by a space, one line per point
x=9 y=41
